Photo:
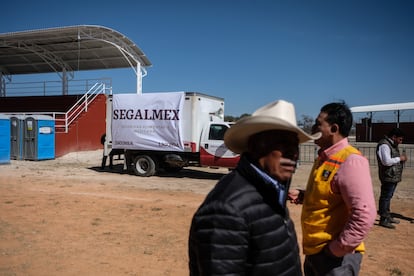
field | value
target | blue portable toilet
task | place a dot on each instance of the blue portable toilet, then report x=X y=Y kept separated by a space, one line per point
x=4 y=139
x=16 y=132
x=39 y=137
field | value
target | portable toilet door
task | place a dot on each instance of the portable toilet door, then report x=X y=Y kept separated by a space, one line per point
x=4 y=139
x=39 y=138
x=16 y=131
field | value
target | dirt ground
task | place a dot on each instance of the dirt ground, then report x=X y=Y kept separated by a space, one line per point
x=66 y=217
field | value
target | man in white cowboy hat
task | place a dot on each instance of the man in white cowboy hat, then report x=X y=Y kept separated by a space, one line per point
x=243 y=226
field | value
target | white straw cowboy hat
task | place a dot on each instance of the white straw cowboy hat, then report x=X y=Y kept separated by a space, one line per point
x=278 y=115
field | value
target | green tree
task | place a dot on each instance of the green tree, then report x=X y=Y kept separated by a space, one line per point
x=306 y=123
x=229 y=118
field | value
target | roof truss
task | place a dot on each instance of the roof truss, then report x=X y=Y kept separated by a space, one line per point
x=383 y=107
x=69 y=49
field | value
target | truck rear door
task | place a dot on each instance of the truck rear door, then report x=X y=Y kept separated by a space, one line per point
x=213 y=151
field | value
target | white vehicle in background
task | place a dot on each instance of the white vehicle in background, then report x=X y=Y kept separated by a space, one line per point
x=167 y=131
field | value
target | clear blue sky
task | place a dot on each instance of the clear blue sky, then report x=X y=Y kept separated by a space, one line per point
x=251 y=52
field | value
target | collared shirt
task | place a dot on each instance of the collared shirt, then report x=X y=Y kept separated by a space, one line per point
x=353 y=182
x=384 y=154
x=280 y=188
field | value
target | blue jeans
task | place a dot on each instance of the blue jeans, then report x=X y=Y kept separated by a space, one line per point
x=387 y=191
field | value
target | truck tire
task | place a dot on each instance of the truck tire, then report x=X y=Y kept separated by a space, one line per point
x=144 y=165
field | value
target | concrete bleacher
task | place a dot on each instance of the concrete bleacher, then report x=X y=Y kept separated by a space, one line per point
x=83 y=133
x=38 y=103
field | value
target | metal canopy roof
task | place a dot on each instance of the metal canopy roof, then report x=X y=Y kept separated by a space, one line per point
x=67 y=49
x=383 y=107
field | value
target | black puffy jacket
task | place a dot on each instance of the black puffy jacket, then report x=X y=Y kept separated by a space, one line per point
x=240 y=229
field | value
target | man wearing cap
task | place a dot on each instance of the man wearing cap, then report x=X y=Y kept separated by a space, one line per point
x=243 y=226
x=338 y=205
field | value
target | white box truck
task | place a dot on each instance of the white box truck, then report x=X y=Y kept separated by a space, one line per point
x=167 y=131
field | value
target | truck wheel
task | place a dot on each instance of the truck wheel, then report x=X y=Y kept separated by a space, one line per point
x=144 y=165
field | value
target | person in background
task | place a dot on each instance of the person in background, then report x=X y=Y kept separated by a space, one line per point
x=390 y=168
x=113 y=152
x=338 y=204
x=243 y=226
x=104 y=157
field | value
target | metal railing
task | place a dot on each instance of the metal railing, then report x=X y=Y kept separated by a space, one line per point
x=309 y=151
x=52 y=87
x=63 y=120
x=80 y=106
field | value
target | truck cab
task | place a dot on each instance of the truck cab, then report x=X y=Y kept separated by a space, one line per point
x=213 y=151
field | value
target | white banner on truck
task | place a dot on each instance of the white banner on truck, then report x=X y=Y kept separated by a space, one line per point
x=147 y=121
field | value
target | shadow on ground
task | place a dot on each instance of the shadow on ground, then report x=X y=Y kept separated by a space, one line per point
x=184 y=173
x=400 y=216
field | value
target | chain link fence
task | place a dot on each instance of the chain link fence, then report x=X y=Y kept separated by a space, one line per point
x=309 y=151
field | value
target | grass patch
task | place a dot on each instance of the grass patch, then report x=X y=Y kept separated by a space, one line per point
x=395 y=271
